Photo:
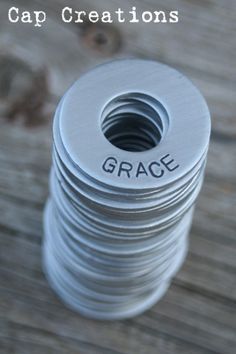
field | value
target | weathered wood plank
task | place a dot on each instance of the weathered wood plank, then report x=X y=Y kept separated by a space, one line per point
x=196 y=46
x=198 y=314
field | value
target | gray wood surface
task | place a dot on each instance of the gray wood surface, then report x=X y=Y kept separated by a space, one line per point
x=198 y=314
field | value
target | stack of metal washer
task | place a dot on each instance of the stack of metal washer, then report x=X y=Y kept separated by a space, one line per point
x=130 y=145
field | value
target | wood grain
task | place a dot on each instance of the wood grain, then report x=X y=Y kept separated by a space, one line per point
x=198 y=314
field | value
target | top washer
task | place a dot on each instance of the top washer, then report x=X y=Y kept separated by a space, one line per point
x=184 y=123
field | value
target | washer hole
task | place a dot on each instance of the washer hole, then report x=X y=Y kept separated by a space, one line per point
x=134 y=122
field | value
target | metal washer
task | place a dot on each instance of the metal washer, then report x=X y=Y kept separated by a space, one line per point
x=81 y=110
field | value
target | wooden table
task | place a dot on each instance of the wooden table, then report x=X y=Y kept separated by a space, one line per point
x=36 y=66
